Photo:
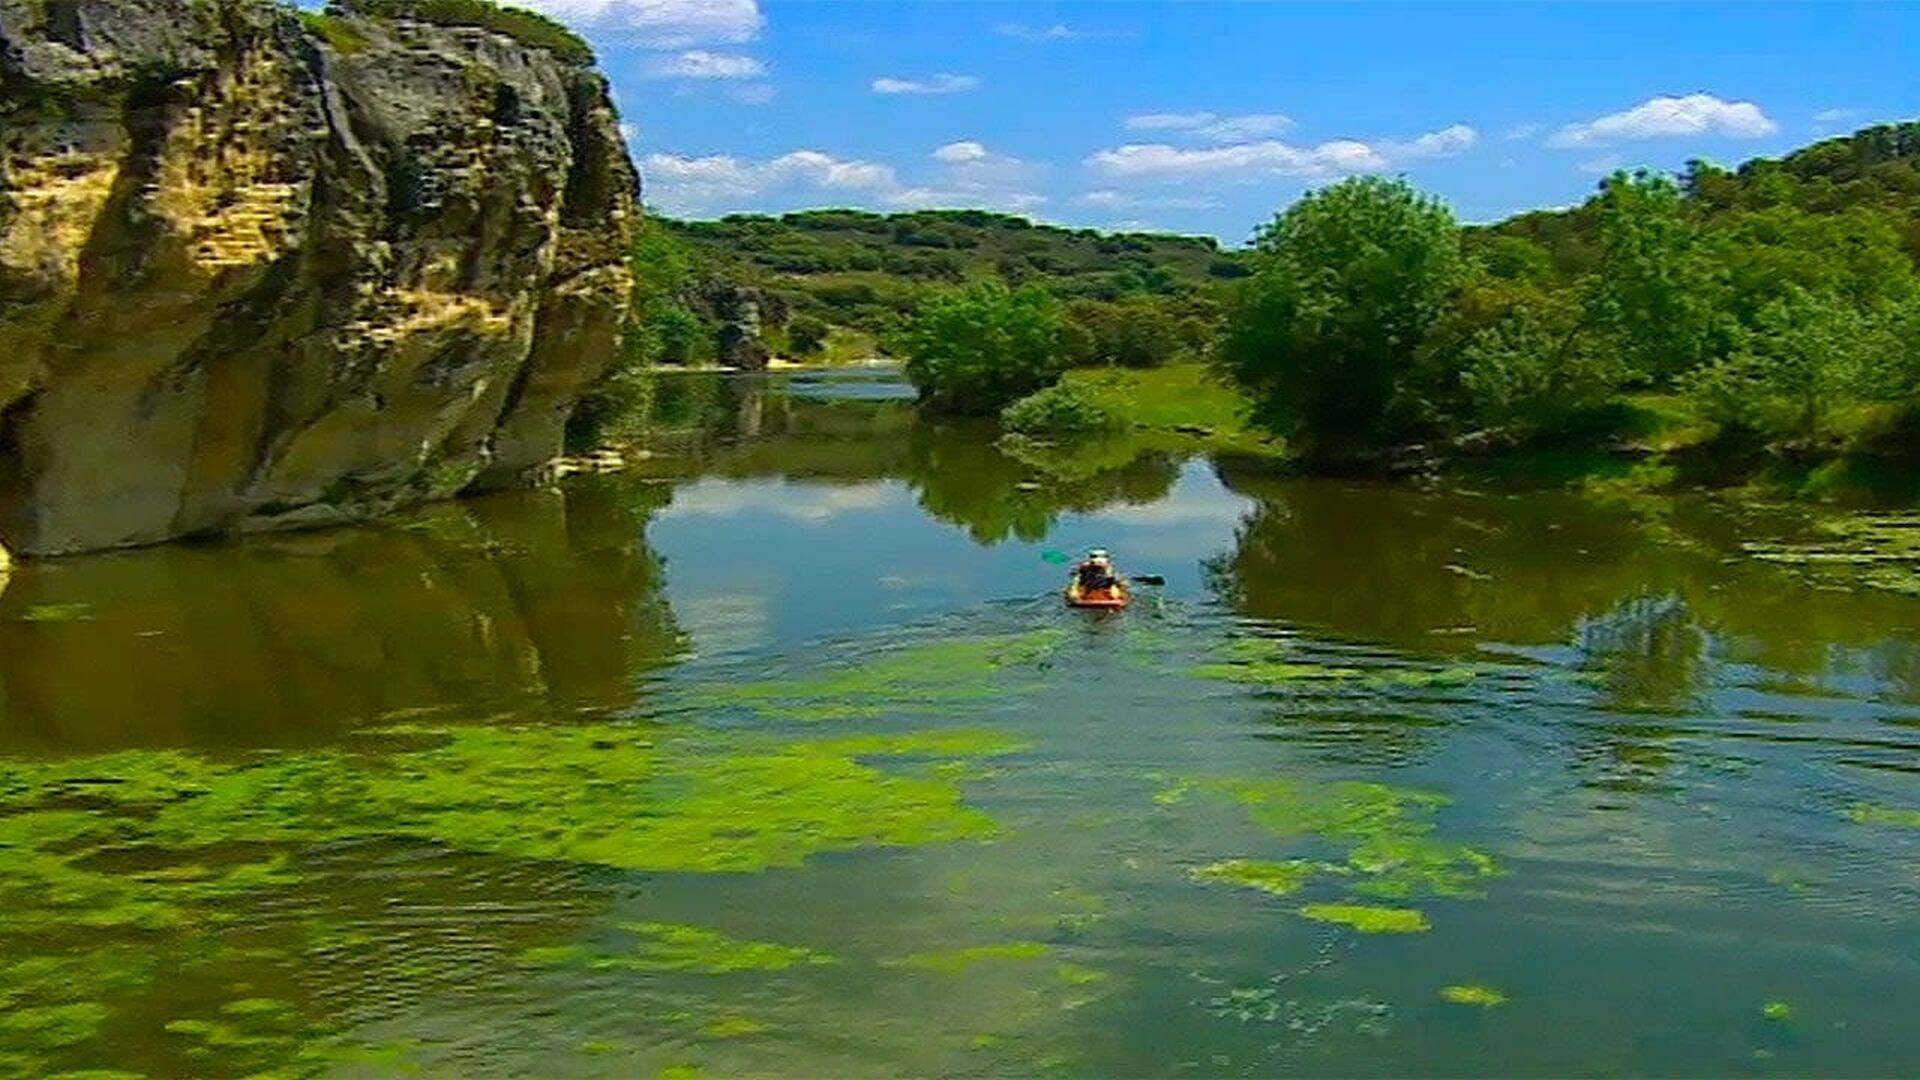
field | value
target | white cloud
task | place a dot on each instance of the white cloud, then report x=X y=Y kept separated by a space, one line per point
x=1447 y=142
x=1521 y=131
x=923 y=198
x=1604 y=165
x=701 y=64
x=685 y=184
x=1272 y=157
x=1056 y=32
x=1666 y=117
x=629 y=132
x=958 y=153
x=660 y=24
x=936 y=84
x=1212 y=126
x=1108 y=199
x=970 y=175
x=1834 y=116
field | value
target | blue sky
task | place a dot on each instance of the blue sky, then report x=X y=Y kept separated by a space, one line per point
x=1206 y=118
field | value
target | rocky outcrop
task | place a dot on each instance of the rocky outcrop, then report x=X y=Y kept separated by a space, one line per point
x=744 y=313
x=259 y=269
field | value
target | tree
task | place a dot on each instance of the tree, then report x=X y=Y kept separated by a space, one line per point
x=1535 y=370
x=1348 y=282
x=1135 y=332
x=1654 y=295
x=977 y=349
x=806 y=334
x=1805 y=354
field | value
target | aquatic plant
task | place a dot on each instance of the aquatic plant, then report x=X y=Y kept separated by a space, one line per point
x=1385 y=834
x=1777 y=1010
x=1278 y=878
x=1868 y=814
x=958 y=961
x=670 y=947
x=912 y=679
x=161 y=844
x=1486 y=997
x=1369 y=919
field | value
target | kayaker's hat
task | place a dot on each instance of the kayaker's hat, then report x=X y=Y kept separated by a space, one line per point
x=1097 y=553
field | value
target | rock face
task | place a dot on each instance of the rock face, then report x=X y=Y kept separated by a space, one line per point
x=260 y=271
x=744 y=313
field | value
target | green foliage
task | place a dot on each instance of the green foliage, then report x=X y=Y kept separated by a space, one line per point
x=1139 y=331
x=1350 y=280
x=526 y=27
x=661 y=329
x=1061 y=409
x=1652 y=291
x=975 y=350
x=341 y=34
x=870 y=272
x=1804 y=355
x=1534 y=369
x=807 y=335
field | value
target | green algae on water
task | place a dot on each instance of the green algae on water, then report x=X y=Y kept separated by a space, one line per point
x=161 y=844
x=1278 y=878
x=917 y=678
x=1369 y=919
x=1485 y=997
x=1386 y=833
x=1868 y=814
x=672 y=947
x=56 y=613
x=958 y=961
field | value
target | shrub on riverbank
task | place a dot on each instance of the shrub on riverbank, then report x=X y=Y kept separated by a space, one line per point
x=1065 y=408
x=973 y=351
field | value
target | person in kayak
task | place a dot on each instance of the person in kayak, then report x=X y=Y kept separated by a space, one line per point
x=1097 y=572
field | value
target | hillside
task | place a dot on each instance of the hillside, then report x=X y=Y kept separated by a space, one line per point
x=1876 y=169
x=865 y=271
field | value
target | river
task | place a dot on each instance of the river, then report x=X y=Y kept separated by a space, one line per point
x=776 y=753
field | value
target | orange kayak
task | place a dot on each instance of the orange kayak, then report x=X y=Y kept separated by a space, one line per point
x=1114 y=598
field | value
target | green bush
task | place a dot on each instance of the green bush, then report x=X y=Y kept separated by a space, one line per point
x=1805 y=356
x=975 y=350
x=1061 y=409
x=1349 y=281
x=526 y=27
x=807 y=335
x=335 y=31
x=1534 y=372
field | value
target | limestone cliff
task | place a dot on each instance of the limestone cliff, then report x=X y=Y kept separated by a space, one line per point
x=261 y=270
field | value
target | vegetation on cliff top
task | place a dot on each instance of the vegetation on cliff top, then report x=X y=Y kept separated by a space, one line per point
x=524 y=26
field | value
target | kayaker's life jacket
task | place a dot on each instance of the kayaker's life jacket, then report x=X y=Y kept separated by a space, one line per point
x=1095 y=576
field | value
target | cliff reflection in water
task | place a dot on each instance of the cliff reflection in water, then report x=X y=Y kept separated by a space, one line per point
x=526 y=604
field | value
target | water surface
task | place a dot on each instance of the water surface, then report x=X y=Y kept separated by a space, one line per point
x=777 y=754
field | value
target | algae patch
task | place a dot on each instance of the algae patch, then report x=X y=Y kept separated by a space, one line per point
x=680 y=948
x=166 y=849
x=1868 y=814
x=1369 y=919
x=1485 y=997
x=958 y=961
x=1278 y=878
x=918 y=678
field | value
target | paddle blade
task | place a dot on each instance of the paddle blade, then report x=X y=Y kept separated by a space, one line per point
x=1057 y=558
x=1149 y=579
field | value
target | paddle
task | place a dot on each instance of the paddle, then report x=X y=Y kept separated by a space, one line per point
x=1061 y=558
